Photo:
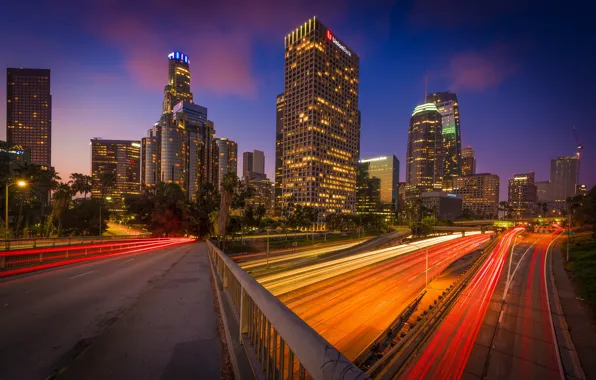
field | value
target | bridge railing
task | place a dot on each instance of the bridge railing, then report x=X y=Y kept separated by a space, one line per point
x=25 y=243
x=279 y=344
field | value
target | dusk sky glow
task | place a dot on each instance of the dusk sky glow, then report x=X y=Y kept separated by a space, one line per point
x=523 y=73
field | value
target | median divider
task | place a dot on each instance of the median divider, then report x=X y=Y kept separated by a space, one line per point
x=30 y=260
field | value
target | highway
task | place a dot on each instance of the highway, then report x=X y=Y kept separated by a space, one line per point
x=351 y=300
x=445 y=354
x=109 y=307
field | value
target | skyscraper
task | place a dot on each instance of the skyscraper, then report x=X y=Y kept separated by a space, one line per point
x=227 y=151
x=480 y=194
x=29 y=112
x=262 y=191
x=179 y=147
x=449 y=108
x=424 y=161
x=279 y=125
x=178 y=87
x=386 y=170
x=563 y=178
x=522 y=195
x=253 y=162
x=120 y=158
x=321 y=131
x=468 y=161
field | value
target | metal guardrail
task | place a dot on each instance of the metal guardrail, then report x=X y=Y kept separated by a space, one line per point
x=16 y=261
x=13 y=244
x=278 y=343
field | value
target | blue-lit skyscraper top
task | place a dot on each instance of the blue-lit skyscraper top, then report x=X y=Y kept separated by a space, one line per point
x=179 y=56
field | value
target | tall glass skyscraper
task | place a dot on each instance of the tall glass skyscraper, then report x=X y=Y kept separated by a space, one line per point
x=449 y=108
x=227 y=153
x=424 y=160
x=178 y=87
x=29 y=112
x=385 y=169
x=321 y=121
x=279 y=126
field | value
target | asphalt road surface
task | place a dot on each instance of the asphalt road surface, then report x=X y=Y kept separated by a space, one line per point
x=148 y=315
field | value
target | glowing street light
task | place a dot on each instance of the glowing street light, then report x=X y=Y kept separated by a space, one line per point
x=19 y=183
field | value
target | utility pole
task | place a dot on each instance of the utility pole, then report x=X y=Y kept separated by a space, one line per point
x=267 y=253
x=426 y=272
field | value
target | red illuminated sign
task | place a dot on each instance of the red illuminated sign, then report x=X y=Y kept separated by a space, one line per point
x=329 y=35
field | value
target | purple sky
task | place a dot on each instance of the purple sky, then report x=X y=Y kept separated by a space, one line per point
x=523 y=73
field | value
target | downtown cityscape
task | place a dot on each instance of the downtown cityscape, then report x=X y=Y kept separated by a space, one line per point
x=349 y=231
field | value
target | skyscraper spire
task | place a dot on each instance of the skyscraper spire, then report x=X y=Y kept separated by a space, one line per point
x=178 y=87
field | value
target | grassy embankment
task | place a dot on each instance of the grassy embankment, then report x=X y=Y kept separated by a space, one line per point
x=582 y=265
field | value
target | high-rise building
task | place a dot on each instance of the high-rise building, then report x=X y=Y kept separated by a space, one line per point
x=445 y=206
x=386 y=170
x=563 y=178
x=522 y=195
x=227 y=153
x=279 y=126
x=468 y=165
x=178 y=87
x=449 y=108
x=151 y=157
x=120 y=158
x=401 y=198
x=321 y=121
x=424 y=161
x=262 y=191
x=544 y=191
x=253 y=162
x=29 y=112
x=480 y=194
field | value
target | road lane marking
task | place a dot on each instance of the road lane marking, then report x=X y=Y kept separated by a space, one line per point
x=79 y=275
x=129 y=260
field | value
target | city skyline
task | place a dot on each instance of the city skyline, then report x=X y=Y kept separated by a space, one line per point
x=384 y=118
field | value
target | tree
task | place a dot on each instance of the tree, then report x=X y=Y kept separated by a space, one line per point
x=505 y=208
x=81 y=183
x=83 y=218
x=60 y=202
x=229 y=186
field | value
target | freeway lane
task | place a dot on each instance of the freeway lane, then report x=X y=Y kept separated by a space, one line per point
x=352 y=308
x=517 y=340
x=48 y=318
x=446 y=353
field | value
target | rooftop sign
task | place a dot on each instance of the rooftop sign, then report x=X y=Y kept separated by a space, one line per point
x=336 y=42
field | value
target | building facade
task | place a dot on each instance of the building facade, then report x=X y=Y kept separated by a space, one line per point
x=321 y=122
x=227 y=158
x=468 y=161
x=11 y=157
x=563 y=178
x=386 y=170
x=262 y=191
x=480 y=194
x=178 y=87
x=445 y=206
x=448 y=106
x=29 y=113
x=151 y=157
x=279 y=126
x=424 y=160
x=253 y=162
x=120 y=158
x=522 y=195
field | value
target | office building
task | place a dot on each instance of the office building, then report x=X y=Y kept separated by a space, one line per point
x=279 y=126
x=522 y=195
x=543 y=191
x=445 y=206
x=386 y=170
x=480 y=194
x=120 y=158
x=151 y=157
x=178 y=87
x=448 y=107
x=262 y=191
x=401 y=199
x=468 y=161
x=321 y=121
x=227 y=158
x=253 y=162
x=424 y=160
x=11 y=157
x=29 y=113
x=563 y=178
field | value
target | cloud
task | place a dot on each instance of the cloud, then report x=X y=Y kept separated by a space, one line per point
x=481 y=69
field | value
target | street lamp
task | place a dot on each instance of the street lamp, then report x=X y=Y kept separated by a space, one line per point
x=19 y=184
x=100 y=207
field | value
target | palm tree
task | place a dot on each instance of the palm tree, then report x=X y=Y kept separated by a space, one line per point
x=505 y=207
x=81 y=183
x=60 y=202
x=229 y=185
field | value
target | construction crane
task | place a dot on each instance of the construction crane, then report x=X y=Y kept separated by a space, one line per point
x=580 y=147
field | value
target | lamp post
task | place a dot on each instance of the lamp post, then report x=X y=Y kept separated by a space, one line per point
x=100 y=207
x=19 y=184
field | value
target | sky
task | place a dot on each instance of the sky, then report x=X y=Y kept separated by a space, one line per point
x=523 y=71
